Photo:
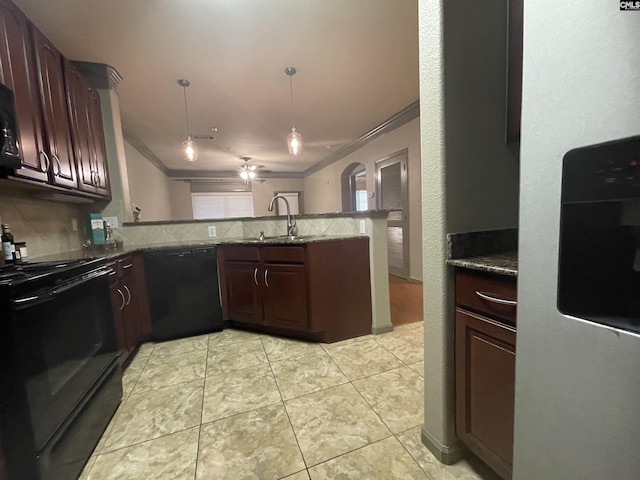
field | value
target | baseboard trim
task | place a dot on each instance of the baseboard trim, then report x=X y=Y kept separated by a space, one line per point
x=447 y=454
x=378 y=329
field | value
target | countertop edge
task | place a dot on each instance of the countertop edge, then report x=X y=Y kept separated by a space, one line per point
x=502 y=264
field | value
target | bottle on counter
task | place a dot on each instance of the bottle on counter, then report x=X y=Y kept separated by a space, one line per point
x=8 y=246
x=20 y=255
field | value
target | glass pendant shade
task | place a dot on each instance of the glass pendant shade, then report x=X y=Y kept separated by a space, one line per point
x=294 y=141
x=190 y=149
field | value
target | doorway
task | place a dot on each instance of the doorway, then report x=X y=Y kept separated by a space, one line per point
x=392 y=194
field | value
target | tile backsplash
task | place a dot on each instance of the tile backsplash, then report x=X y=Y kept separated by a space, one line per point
x=44 y=224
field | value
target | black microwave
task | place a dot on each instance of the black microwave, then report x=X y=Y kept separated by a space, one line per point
x=9 y=153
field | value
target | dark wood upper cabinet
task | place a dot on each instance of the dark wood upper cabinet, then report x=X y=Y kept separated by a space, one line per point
x=55 y=112
x=18 y=72
x=86 y=132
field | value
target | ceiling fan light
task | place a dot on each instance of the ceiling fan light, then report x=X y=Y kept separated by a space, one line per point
x=252 y=174
x=244 y=175
x=294 y=141
x=190 y=149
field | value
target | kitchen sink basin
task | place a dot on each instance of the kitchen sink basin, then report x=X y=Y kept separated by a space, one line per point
x=277 y=239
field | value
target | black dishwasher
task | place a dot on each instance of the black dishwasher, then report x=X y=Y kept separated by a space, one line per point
x=184 y=297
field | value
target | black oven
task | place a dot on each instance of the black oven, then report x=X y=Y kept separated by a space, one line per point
x=63 y=382
x=599 y=265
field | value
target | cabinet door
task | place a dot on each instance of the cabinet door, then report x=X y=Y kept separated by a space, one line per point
x=99 y=150
x=55 y=113
x=285 y=296
x=77 y=97
x=485 y=386
x=243 y=282
x=18 y=72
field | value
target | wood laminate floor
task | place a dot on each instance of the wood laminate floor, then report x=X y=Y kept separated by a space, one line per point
x=406 y=301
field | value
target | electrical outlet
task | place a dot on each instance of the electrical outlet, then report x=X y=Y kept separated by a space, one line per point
x=74 y=225
x=212 y=231
x=363 y=226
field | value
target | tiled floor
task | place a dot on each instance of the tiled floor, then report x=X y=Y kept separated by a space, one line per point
x=237 y=405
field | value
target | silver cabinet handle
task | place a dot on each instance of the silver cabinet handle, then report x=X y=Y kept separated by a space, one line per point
x=123 y=301
x=128 y=265
x=46 y=157
x=55 y=157
x=97 y=179
x=112 y=272
x=128 y=293
x=255 y=276
x=266 y=277
x=501 y=301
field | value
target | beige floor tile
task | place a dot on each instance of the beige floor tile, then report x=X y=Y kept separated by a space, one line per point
x=332 y=422
x=229 y=336
x=238 y=391
x=105 y=434
x=383 y=460
x=236 y=356
x=281 y=348
x=397 y=396
x=255 y=445
x=163 y=371
x=172 y=457
x=303 y=475
x=131 y=375
x=145 y=350
x=156 y=413
x=178 y=347
x=407 y=344
x=418 y=367
x=309 y=373
x=463 y=470
x=362 y=359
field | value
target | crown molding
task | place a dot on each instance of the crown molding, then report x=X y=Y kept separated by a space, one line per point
x=223 y=174
x=410 y=112
x=100 y=75
x=142 y=149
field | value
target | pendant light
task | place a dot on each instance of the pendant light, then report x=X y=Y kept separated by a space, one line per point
x=247 y=172
x=189 y=146
x=294 y=140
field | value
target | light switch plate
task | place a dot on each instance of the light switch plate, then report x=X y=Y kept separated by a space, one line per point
x=212 y=231
x=363 y=226
x=112 y=221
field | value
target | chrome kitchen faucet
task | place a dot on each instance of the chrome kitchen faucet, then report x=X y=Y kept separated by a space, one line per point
x=291 y=221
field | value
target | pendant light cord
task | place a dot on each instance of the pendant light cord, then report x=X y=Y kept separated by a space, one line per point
x=291 y=90
x=186 y=110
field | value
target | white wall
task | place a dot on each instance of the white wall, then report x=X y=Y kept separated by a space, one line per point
x=322 y=190
x=470 y=179
x=577 y=383
x=180 y=194
x=148 y=186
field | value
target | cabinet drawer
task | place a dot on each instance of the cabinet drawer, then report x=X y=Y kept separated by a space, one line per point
x=489 y=294
x=240 y=253
x=283 y=254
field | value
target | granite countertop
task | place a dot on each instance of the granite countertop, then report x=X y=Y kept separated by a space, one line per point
x=502 y=263
x=112 y=253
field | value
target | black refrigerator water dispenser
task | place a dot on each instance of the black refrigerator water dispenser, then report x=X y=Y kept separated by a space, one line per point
x=599 y=263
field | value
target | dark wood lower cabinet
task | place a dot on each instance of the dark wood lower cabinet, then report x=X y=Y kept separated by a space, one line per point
x=317 y=291
x=485 y=356
x=130 y=304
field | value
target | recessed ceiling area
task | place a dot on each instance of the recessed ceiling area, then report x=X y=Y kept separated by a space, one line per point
x=356 y=61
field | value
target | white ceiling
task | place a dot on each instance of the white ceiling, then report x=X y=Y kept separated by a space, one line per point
x=357 y=63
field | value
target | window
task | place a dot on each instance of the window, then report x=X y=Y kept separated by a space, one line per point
x=294 y=204
x=222 y=205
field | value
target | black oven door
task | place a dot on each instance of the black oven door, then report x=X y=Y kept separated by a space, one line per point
x=66 y=340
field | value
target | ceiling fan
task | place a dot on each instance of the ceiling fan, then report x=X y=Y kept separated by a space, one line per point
x=248 y=172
